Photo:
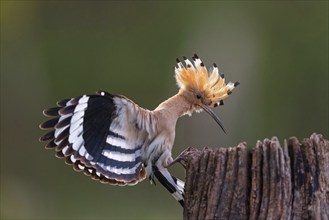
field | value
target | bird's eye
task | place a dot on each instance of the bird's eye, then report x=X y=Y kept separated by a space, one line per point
x=198 y=96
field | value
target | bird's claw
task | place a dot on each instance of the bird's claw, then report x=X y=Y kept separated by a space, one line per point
x=151 y=178
x=181 y=158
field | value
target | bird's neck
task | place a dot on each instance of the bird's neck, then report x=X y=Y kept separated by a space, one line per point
x=176 y=106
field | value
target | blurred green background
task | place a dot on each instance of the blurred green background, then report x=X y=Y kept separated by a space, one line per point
x=59 y=49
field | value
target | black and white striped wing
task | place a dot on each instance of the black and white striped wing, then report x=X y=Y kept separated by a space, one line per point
x=97 y=134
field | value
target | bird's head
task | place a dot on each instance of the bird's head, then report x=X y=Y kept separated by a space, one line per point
x=203 y=89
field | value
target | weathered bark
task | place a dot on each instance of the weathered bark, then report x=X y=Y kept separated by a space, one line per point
x=267 y=182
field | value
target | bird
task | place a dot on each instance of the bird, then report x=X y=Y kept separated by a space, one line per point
x=113 y=140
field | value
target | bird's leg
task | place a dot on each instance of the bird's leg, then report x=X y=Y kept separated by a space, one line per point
x=150 y=173
x=165 y=159
x=178 y=159
x=151 y=178
x=181 y=158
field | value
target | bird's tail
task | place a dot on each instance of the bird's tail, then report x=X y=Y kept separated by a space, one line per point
x=172 y=184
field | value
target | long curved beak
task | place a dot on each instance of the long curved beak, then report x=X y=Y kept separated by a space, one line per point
x=213 y=115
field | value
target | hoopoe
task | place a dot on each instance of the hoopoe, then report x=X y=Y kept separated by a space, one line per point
x=113 y=140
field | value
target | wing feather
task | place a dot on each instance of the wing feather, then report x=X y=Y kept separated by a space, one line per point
x=97 y=134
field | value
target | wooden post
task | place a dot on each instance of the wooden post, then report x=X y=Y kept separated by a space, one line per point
x=267 y=182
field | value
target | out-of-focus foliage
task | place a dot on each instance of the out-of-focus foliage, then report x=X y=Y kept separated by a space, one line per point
x=57 y=49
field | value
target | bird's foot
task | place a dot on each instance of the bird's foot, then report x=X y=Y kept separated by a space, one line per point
x=182 y=158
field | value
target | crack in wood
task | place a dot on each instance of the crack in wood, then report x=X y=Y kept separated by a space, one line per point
x=267 y=182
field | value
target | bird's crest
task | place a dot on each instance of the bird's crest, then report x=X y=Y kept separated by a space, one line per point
x=195 y=77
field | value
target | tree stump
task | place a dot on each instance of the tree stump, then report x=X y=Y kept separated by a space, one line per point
x=267 y=182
